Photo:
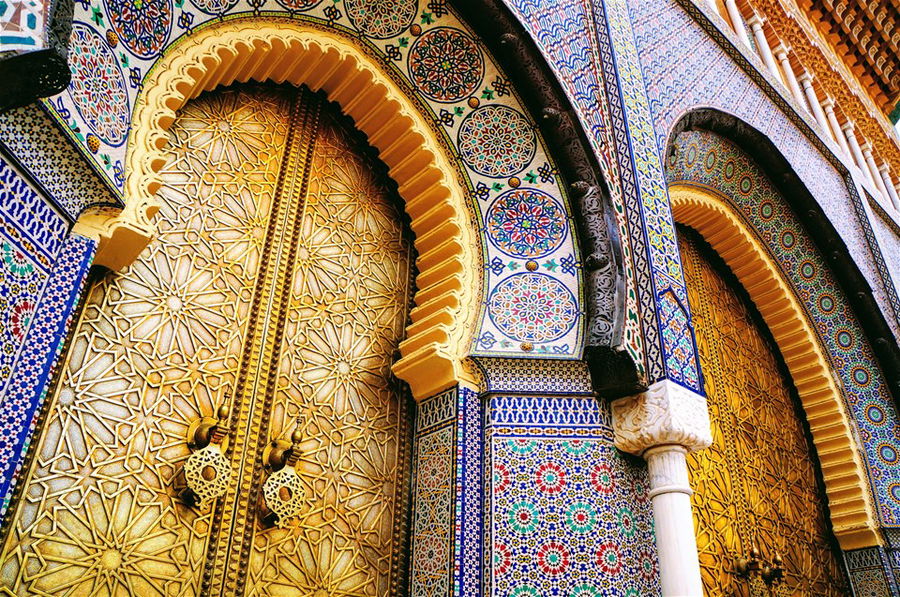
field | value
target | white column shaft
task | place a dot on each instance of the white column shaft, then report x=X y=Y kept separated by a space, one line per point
x=735 y=15
x=788 y=71
x=889 y=185
x=813 y=99
x=670 y=492
x=873 y=170
x=836 y=131
x=855 y=150
x=756 y=25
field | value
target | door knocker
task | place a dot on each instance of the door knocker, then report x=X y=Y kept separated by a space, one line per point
x=207 y=470
x=764 y=578
x=283 y=491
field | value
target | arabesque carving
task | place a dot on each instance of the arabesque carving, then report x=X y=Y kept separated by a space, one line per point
x=665 y=414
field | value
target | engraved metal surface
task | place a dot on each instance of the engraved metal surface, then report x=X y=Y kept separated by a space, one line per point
x=757 y=483
x=282 y=275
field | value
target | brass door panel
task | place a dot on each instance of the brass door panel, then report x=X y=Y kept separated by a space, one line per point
x=757 y=484
x=281 y=275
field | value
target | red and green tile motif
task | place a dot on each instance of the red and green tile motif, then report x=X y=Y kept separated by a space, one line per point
x=570 y=518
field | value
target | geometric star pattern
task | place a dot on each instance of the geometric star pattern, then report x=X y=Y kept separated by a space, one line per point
x=756 y=485
x=163 y=343
x=351 y=287
x=154 y=349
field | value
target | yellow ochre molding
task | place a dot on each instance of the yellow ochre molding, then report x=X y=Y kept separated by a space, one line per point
x=846 y=484
x=260 y=49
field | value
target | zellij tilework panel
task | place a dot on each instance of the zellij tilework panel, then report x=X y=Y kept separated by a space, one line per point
x=570 y=515
x=42 y=270
x=533 y=298
x=570 y=518
x=30 y=238
x=707 y=160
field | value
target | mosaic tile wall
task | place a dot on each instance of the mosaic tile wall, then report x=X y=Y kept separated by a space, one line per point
x=447 y=500
x=569 y=514
x=42 y=271
x=866 y=568
x=22 y=24
x=525 y=495
x=42 y=151
x=533 y=305
x=704 y=159
x=662 y=311
x=564 y=31
x=888 y=234
x=668 y=38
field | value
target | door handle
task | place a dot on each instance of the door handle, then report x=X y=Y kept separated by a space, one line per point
x=207 y=470
x=283 y=491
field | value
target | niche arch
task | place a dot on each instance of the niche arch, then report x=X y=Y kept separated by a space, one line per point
x=449 y=278
x=830 y=423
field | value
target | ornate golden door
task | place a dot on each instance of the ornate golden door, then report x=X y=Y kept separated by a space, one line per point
x=758 y=483
x=281 y=276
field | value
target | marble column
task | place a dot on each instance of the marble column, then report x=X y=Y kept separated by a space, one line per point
x=885 y=172
x=855 y=149
x=873 y=169
x=737 y=21
x=828 y=107
x=806 y=81
x=662 y=425
x=756 y=26
x=781 y=52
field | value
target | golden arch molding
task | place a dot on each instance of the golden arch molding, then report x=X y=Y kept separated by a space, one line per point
x=844 y=473
x=448 y=282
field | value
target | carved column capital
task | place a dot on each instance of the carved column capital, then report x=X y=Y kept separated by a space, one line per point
x=755 y=21
x=663 y=415
x=781 y=51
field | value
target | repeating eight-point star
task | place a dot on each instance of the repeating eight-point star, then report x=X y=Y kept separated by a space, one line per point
x=381 y=19
x=98 y=86
x=446 y=65
x=526 y=223
x=496 y=141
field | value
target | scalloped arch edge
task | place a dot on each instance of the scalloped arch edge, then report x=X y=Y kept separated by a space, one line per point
x=846 y=482
x=448 y=286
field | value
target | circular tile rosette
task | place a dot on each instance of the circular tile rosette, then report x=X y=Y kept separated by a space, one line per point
x=496 y=141
x=98 y=86
x=381 y=19
x=446 y=65
x=526 y=223
x=142 y=26
x=532 y=307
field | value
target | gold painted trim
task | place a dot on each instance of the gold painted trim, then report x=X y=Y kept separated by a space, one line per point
x=449 y=264
x=846 y=483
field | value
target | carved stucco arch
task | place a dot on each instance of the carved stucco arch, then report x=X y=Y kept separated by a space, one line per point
x=449 y=264
x=831 y=426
